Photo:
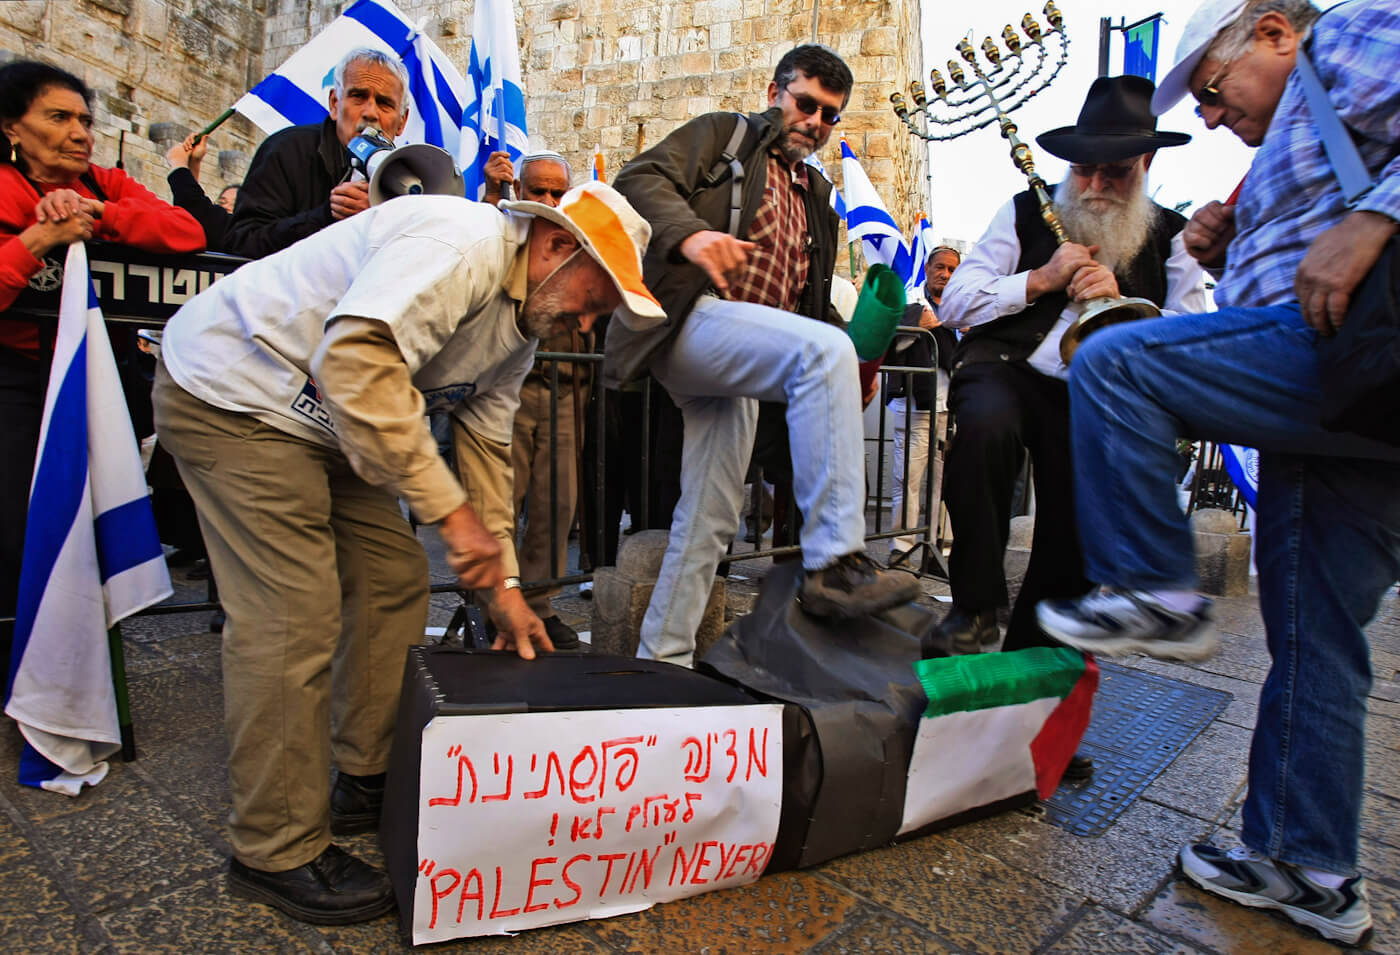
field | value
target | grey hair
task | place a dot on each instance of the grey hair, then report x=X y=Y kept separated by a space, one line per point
x=1237 y=39
x=528 y=158
x=372 y=57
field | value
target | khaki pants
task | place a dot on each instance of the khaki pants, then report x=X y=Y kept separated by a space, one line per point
x=325 y=588
x=530 y=462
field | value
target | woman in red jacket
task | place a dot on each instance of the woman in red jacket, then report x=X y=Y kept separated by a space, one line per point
x=50 y=197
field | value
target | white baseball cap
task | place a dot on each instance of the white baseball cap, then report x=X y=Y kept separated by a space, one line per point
x=612 y=232
x=1201 y=30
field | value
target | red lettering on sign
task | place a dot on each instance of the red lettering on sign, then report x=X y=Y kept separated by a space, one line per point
x=689 y=811
x=610 y=858
x=626 y=755
x=535 y=882
x=679 y=860
x=758 y=756
x=701 y=861
x=480 y=895
x=440 y=893
x=462 y=764
x=739 y=853
x=496 y=911
x=697 y=758
x=732 y=752
x=551 y=763
x=645 y=864
x=575 y=786
x=759 y=859
x=510 y=773
x=564 y=875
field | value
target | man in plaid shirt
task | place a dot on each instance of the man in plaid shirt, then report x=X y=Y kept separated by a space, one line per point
x=740 y=299
x=1328 y=543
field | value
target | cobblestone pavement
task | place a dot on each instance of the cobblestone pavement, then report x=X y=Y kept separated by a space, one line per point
x=137 y=864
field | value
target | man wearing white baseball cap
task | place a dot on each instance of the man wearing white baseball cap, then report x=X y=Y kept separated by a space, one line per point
x=292 y=396
x=1290 y=254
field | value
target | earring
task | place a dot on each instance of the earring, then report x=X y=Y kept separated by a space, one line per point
x=14 y=152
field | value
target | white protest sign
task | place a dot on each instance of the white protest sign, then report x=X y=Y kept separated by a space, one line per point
x=533 y=819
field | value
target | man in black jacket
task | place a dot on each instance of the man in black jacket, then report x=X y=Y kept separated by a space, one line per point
x=916 y=428
x=1014 y=296
x=297 y=183
x=743 y=245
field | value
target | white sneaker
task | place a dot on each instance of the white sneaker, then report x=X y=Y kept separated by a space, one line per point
x=1117 y=623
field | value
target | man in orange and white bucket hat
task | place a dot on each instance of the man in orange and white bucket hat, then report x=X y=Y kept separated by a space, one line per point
x=292 y=396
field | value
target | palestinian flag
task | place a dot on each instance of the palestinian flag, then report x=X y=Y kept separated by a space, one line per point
x=998 y=725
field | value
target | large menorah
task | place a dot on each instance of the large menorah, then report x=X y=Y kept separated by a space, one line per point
x=990 y=95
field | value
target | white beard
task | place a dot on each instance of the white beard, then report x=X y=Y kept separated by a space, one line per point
x=1119 y=227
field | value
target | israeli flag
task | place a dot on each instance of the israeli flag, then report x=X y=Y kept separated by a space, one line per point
x=91 y=554
x=868 y=221
x=923 y=247
x=838 y=201
x=495 y=108
x=298 y=91
x=1242 y=464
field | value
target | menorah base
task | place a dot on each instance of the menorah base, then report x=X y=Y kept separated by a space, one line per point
x=1100 y=312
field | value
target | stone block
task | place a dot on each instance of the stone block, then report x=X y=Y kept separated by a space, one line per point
x=621 y=595
x=1222 y=556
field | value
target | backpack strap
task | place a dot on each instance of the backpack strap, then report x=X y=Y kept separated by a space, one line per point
x=729 y=161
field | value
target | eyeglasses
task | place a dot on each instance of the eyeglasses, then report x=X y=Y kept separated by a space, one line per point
x=806 y=105
x=1210 y=93
x=1107 y=170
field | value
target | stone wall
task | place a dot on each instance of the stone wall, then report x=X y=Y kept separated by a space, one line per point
x=158 y=70
x=615 y=73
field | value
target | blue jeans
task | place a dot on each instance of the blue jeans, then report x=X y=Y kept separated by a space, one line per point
x=1328 y=542
x=726 y=357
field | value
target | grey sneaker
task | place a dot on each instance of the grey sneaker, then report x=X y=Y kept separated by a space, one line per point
x=1117 y=623
x=1244 y=876
x=855 y=586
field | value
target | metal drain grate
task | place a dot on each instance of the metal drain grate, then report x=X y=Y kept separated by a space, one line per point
x=1141 y=722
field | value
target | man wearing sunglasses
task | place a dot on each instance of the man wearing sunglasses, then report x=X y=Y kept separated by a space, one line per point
x=1014 y=297
x=742 y=271
x=1328 y=529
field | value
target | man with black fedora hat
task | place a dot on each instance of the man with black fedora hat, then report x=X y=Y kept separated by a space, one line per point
x=1013 y=298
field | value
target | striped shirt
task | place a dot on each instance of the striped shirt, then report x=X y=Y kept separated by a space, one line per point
x=1291 y=196
x=777 y=269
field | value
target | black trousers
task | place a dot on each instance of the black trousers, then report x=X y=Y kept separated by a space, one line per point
x=999 y=408
x=23 y=381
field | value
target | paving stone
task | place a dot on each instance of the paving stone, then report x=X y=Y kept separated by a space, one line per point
x=873 y=930
x=1123 y=868
x=1207 y=775
x=203 y=917
x=35 y=914
x=1099 y=930
x=194 y=774
x=786 y=912
x=124 y=845
x=1383 y=755
x=175 y=704
x=965 y=896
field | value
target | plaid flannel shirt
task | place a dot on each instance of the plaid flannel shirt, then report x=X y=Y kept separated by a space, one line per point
x=1291 y=196
x=777 y=269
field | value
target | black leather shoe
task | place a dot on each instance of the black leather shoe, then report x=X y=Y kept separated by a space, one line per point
x=1080 y=768
x=563 y=636
x=966 y=631
x=334 y=888
x=355 y=803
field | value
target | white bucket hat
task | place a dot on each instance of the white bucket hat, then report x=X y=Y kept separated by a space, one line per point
x=1201 y=30
x=612 y=232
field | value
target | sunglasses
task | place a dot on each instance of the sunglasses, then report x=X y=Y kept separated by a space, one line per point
x=1210 y=93
x=806 y=105
x=1107 y=170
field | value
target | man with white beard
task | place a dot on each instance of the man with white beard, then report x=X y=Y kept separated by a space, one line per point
x=1013 y=297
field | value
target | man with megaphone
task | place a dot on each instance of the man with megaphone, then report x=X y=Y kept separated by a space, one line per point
x=292 y=396
x=301 y=178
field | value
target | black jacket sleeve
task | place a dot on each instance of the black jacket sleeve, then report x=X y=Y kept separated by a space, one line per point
x=282 y=200
x=186 y=193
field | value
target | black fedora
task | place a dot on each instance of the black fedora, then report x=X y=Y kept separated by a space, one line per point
x=1115 y=123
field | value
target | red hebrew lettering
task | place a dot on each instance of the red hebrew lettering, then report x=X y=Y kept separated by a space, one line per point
x=732 y=752
x=625 y=761
x=553 y=828
x=537 y=882
x=758 y=756
x=701 y=861
x=689 y=813
x=462 y=764
x=496 y=911
x=632 y=815
x=510 y=773
x=480 y=895
x=575 y=786
x=697 y=759
x=440 y=893
x=598 y=822
x=610 y=858
x=579 y=830
x=551 y=763
x=651 y=811
x=564 y=875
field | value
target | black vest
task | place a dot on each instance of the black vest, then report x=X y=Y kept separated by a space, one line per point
x=1015 y=337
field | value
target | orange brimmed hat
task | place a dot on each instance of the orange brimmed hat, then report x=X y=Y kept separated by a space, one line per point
x=613 y=233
